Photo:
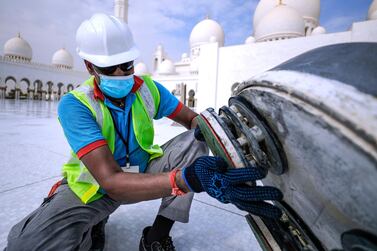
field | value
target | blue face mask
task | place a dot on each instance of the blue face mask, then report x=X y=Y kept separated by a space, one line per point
x=116 y=86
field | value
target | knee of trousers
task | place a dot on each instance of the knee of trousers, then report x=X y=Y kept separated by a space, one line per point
x=63 y=237
x=177 y=208
x=36 y=232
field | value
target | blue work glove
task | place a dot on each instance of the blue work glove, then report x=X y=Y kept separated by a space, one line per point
x=211 y=174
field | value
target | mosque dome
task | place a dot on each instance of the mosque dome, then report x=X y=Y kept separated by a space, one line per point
x=250 y=40
x=372 y=12
x=280 y=23
x=141 y=69
x=308 y=9
x=18 y=48
x=206 y=31
x=213 y=39
x=62 y=58
x=318 y=31
x=185 y=58
x=166 y=67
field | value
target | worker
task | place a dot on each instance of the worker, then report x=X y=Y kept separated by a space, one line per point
x=107 y=121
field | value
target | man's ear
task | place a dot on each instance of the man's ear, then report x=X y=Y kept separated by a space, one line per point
x=89 y=67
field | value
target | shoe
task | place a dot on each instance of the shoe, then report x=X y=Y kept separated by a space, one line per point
x=165 y=244
x=98 y=236
x=154 y=246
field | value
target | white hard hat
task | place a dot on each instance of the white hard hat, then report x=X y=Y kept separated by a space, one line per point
x=105 y=40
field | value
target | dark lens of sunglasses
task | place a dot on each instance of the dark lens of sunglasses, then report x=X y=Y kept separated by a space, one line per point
x=106 y=70
x=111 y=69
x=126 y=66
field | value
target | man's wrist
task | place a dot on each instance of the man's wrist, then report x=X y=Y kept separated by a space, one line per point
x=181 y=182
x=178 y=186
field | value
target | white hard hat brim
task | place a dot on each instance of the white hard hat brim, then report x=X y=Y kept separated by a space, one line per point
x=105 y=61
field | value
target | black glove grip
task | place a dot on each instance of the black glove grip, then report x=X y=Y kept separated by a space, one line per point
x=198 y=134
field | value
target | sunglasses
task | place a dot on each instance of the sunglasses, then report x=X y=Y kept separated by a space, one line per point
x=111 y=69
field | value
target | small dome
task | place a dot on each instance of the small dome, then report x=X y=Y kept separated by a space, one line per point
x=308 y=9
x=62 y=58
x=280 y=23
x=185 y=58
x=206 y=31
x=141 y=69
x=372 y=12
x=166 y=68
x=250 y=40
x=19 y=48
x=318 y=31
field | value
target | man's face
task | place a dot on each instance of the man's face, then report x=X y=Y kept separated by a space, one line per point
x=124 y=69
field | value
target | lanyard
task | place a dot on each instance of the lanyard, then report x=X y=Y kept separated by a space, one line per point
x=121 y=137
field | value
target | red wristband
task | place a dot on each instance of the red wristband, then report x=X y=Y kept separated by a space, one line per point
x=175 y=190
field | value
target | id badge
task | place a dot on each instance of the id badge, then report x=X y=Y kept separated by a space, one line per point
x=130 y=169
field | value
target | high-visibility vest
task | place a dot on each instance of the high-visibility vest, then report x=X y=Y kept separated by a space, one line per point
x=143 y=110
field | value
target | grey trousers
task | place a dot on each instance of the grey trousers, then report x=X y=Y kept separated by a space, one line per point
x=63 y=222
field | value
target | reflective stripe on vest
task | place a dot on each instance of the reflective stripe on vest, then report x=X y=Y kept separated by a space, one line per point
x=148 y=100
x=144 y=108
x=89 y=92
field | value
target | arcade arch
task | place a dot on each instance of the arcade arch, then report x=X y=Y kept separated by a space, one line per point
x=10 y=87
x=70 y=87
x=24 y=88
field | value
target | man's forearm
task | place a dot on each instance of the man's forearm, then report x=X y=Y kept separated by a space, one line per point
x=186 y=117
x=194 y=122
x=127 y=187
x=135 y=187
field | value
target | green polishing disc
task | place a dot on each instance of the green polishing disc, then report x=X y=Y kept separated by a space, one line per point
x=220 y=139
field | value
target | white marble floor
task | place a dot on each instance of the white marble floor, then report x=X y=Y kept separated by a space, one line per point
x=32 y=150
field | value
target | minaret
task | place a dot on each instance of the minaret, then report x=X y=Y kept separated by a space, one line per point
x=121 y=9
x=159 y=57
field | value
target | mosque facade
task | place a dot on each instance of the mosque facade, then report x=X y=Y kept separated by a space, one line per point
x=282 y=29
x=21 y=78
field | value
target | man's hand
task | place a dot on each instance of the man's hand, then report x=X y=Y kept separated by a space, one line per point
x=198 y=134
x=210 y=174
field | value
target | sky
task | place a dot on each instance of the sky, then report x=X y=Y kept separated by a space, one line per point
x=49 y=25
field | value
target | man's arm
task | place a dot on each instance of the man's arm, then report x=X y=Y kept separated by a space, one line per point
x=186 y=117
x=127 y=187
x=209 y=174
